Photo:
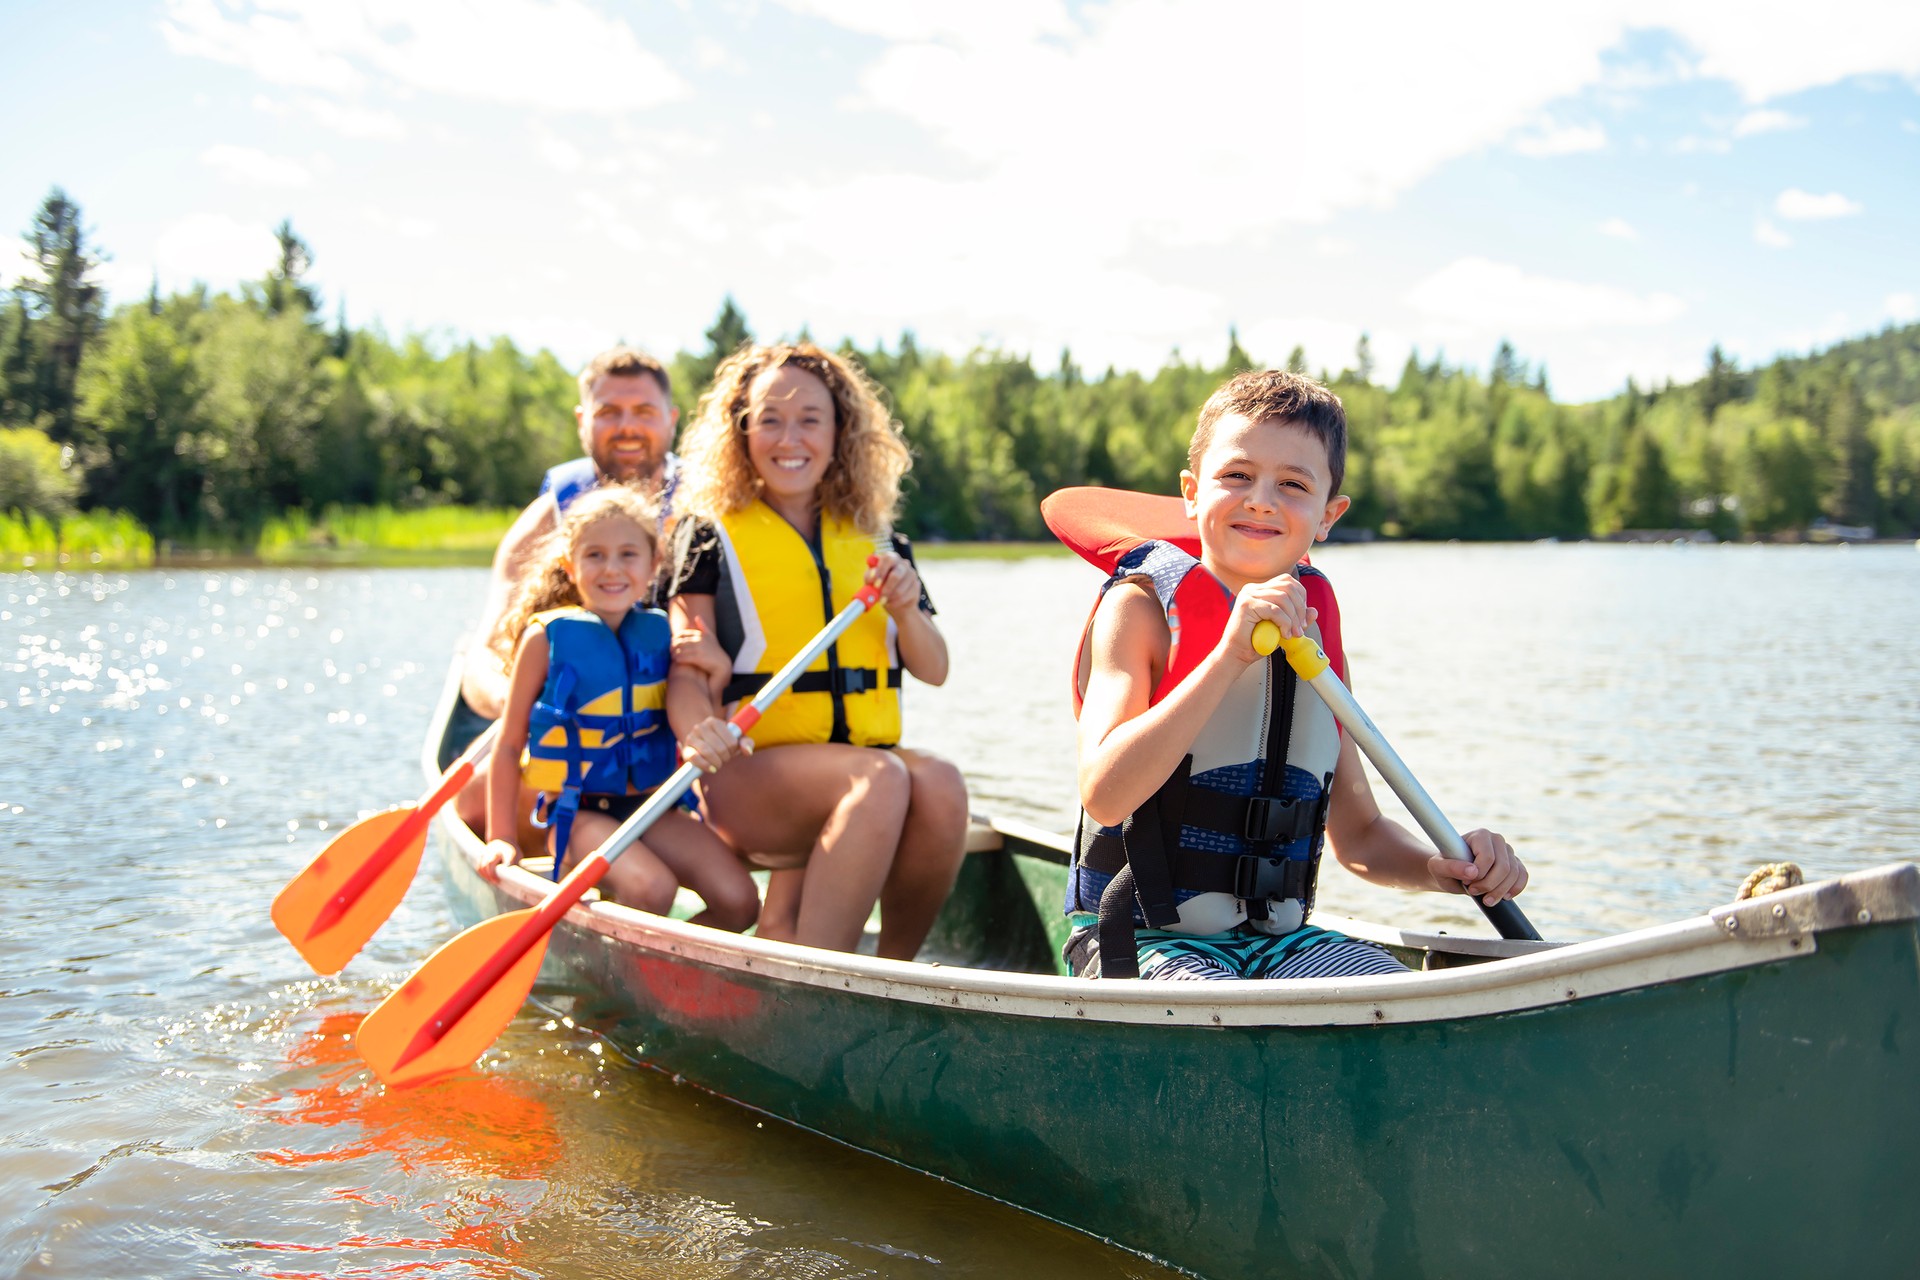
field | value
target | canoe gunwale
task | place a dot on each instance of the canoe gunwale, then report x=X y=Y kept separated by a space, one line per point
x=1779 y=927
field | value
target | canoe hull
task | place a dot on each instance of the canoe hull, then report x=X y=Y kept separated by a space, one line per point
x=1759 y=1118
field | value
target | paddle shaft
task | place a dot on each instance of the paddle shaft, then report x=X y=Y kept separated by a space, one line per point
x=457 y=776
x=595 y=865
x=1311 y=665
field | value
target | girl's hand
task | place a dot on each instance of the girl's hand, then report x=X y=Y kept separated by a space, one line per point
x=497 y=854
x=898 y=581
x=711 y=744
x=697 y=648
x=1281 y=601
x=1496 y=872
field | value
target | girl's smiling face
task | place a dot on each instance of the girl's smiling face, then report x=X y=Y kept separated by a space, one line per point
x=790 y=434
x=1262 y=496
x=611 y=563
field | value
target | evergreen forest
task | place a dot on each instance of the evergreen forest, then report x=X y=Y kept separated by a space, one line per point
x=204 y=416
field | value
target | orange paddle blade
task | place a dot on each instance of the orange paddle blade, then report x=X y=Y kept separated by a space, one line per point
x=400 y=1040
x=350 y=888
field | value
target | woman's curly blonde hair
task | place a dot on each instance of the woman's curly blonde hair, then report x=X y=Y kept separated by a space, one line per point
x=862 y=481
x=547 y=585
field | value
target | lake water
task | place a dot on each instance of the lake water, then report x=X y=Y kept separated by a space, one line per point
x=177 y=1094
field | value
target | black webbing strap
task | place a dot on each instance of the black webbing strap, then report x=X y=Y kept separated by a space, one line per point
x=840 y=680
x=1262 y=819
x=1247 y=876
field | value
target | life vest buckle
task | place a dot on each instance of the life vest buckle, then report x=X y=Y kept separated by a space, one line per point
x=1270 y=879
x=1271 y=819
x=851 y=680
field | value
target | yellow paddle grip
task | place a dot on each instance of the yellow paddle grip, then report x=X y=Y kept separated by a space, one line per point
x=1303 y=655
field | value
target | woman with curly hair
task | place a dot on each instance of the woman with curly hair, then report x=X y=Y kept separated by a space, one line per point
x=793 y=471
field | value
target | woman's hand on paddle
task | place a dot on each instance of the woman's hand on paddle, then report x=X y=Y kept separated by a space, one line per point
x=497 y=854
x=898 y=581
x=1495 y=874
x=1281 y=601
x=711 y=744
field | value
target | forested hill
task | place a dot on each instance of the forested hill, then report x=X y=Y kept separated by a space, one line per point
x=206 y=414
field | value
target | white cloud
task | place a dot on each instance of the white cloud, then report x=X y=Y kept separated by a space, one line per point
x=213 y=249
x=1805 y=206
x=249 y=166
x=1764 y=232
x=353 y=121
x=1551 y=139
x=1333 y=246
x=1902 y=307
x=1500 y=296
x=1693 y=143
x=1766 y=50
x=977 y=23
x=1619 y=229
x=1766 y=120
x=555 y=55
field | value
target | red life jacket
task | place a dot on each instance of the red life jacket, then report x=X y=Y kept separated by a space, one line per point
x=1103 y=525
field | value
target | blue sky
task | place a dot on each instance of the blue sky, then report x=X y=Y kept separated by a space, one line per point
x=1614 y=187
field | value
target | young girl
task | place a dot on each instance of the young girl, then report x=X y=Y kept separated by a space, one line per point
x=792 y=480
x=585 y=723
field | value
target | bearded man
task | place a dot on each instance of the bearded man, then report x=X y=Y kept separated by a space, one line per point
x=627 y=420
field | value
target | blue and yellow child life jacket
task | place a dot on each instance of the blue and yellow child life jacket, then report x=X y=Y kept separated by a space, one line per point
x=599 y=726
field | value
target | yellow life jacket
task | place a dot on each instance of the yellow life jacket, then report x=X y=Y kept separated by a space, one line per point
x=776 y=593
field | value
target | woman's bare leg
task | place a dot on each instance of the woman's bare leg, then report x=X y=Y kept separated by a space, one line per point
x=780 y=914
x=842 y=808
x=932 y=843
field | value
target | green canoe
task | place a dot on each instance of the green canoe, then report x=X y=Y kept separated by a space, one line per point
x=1725 y=1095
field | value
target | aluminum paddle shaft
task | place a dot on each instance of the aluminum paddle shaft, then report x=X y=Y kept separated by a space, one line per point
x=1311 y=665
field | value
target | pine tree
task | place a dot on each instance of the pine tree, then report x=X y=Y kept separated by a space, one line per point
x=1297 y=360
x=285 y=288
x=64 y=309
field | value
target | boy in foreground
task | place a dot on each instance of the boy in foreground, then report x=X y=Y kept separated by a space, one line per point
x=1208 y=777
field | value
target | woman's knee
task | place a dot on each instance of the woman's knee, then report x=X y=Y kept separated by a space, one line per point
x=939 y=791
x=882 y=776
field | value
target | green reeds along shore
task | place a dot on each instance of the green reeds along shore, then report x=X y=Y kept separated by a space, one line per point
x=96 y=540
x=336 y=536
x=382 y=535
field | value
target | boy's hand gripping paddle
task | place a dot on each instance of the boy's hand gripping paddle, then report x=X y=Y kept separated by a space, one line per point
x=347 y=892
x=464 y=996
x=1311 y=665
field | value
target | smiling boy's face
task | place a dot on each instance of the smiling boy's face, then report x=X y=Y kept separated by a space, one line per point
x=1262 y=496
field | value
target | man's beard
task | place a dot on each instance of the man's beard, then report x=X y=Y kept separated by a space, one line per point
x=644 y=465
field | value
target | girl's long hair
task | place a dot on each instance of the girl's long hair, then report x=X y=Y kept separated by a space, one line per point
x=862 y=480
x=546 y=585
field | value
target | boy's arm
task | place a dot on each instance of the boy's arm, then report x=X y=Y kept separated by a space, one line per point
x=1382 y=851
x=1128 y=748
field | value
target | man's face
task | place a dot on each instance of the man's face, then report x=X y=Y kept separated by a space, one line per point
x=626 y=425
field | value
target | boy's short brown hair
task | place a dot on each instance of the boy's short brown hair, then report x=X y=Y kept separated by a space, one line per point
x=623 y=362
x=1275 y=393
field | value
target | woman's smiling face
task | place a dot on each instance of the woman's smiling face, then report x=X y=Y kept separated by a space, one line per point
x=790 y=434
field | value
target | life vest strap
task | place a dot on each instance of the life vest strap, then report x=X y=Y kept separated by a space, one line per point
x=840 y=680
x=1261 y=819
x=1247 y=876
